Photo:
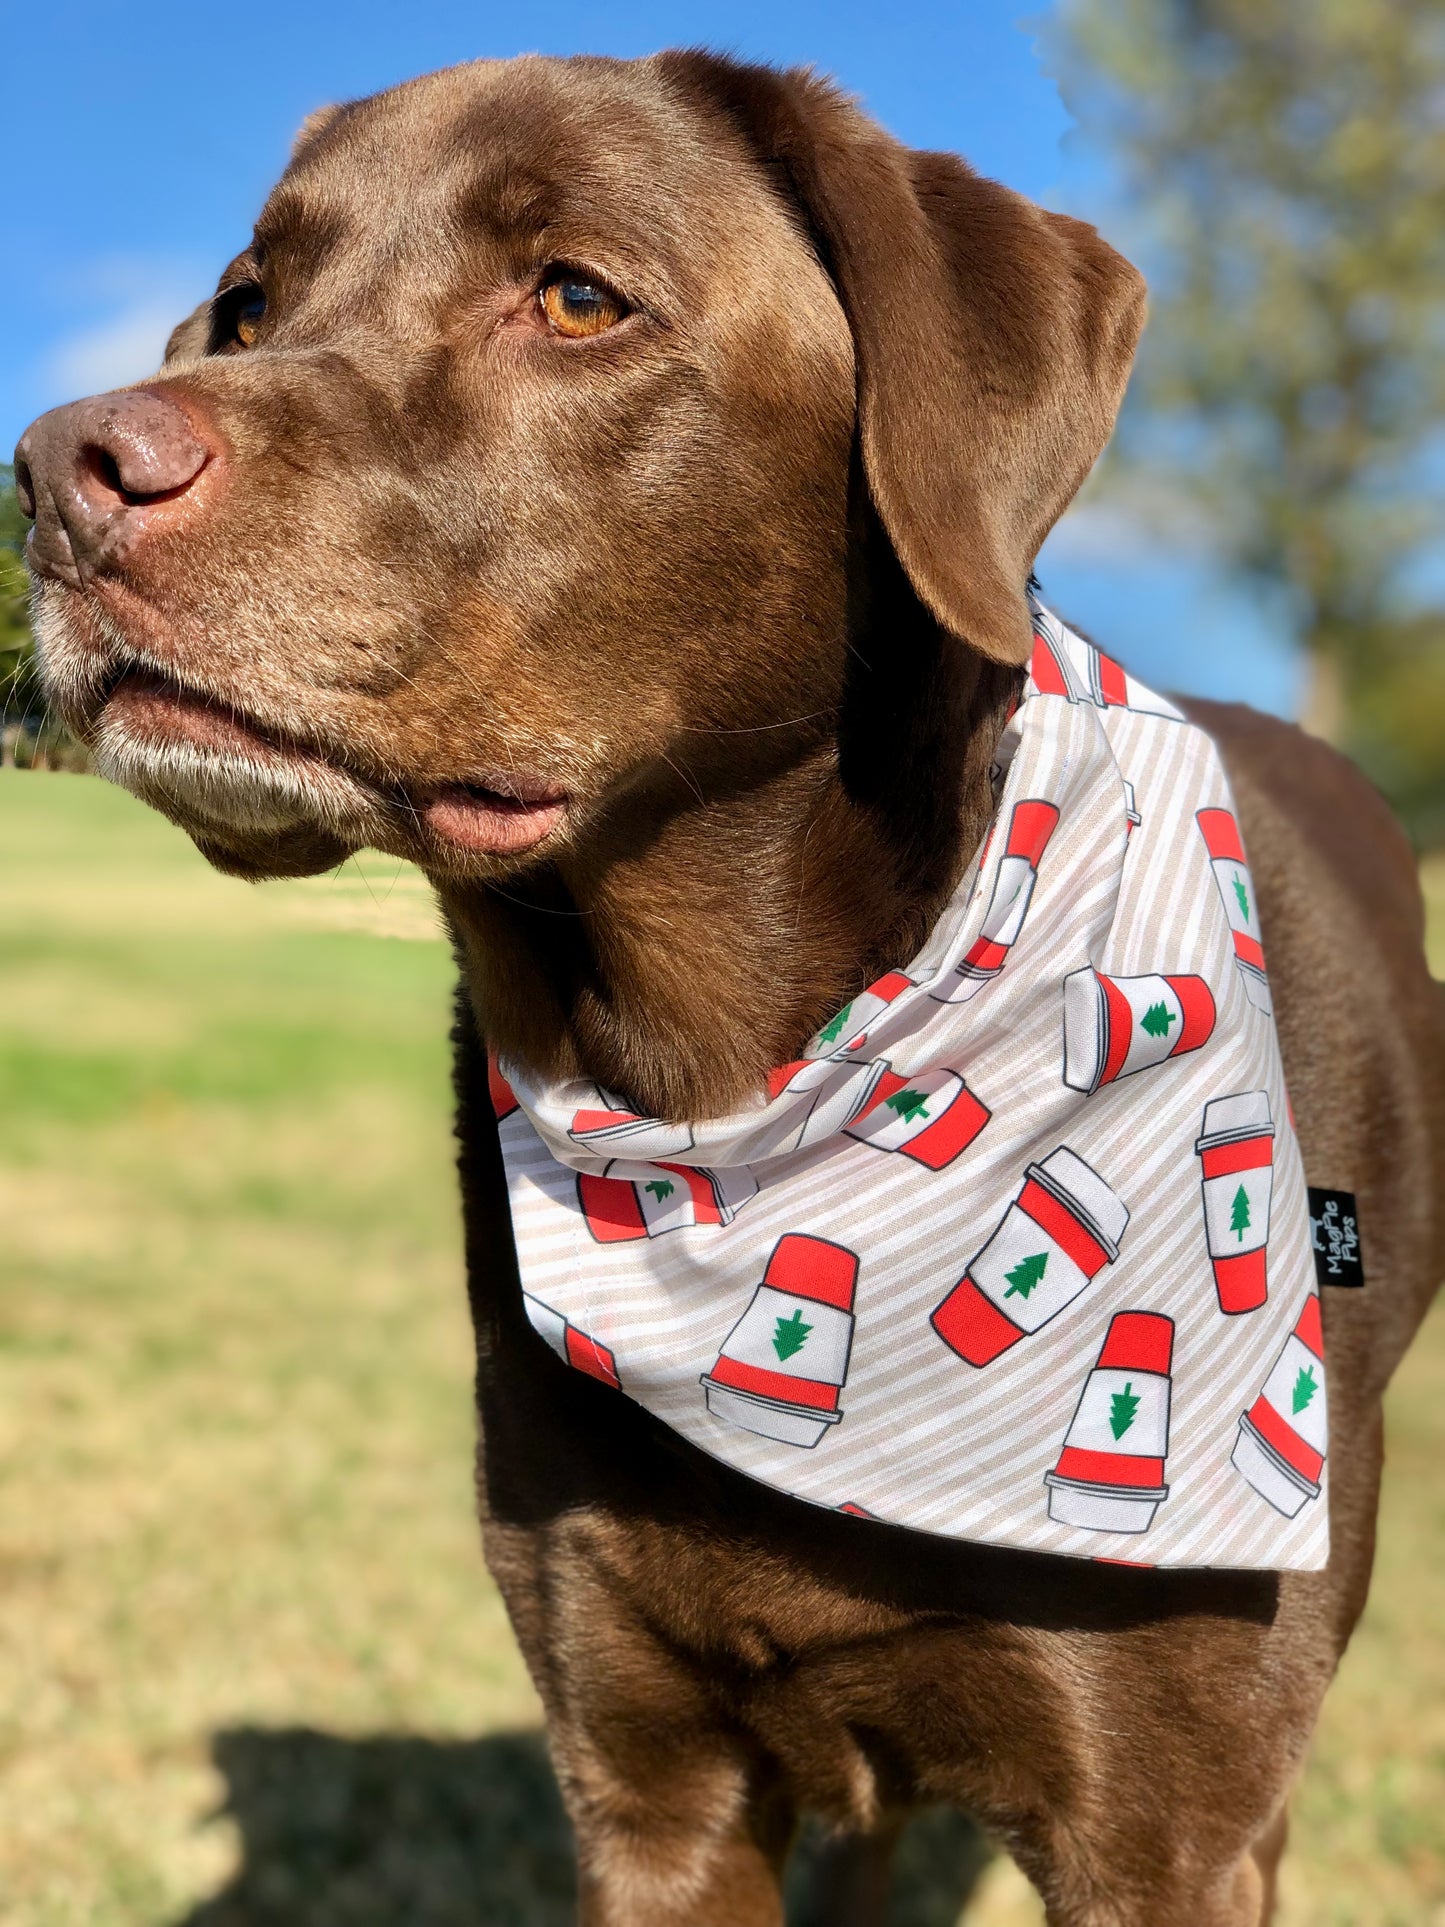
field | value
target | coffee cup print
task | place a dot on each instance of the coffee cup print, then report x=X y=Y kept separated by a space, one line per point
x=1031 y=824
x=1284 y=1435
x=838 y=1094
x=782 y=1367
x=1221 y=836
x=1112 y=687
x=632 y=1200
x=572 y=1346
x=1132 y=818
x=846 y=1033
x=1116 y=1026
x=1065 y=665
x=930 y=1118
x=1050 y=670
x=609 y=1126
x=1053 y=1241
x=1236 y=1150
x=1110 y=1472
x=504 y=1098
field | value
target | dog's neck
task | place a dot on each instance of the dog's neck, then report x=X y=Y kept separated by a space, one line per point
x=709 y=924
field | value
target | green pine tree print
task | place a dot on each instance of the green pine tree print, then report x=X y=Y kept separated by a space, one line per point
x=1026 y=1274
x=1157 y=1019
x=833 y=1029
x=908 y=1104
x=1122 y=1407
x=1305 y=1387
x=1239 y=1213
x=790 y=1335
x=1242 y=895
x=660 y=1188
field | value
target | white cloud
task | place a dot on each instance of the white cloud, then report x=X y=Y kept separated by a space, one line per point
x=131 y=305
x=124 y=348
x=1131 y=524
x=1106 y=533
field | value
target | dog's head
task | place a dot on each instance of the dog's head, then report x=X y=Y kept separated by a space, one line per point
x=520 y=461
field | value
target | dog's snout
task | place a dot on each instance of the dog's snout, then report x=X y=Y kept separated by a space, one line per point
x=95 y=474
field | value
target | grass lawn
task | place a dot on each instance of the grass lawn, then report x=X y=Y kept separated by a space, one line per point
x=252 y=1672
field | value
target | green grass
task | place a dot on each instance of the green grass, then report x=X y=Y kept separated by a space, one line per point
x=235 y=1424
x=251 y=1668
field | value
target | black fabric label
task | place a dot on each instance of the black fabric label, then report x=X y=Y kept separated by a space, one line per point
x=1335 y=1236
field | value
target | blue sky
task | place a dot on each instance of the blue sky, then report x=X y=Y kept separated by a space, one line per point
x=142 y=142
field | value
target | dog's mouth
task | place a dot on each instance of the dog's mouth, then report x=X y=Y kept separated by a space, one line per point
x=152 y=708
x=473 y=816
x=207 y=758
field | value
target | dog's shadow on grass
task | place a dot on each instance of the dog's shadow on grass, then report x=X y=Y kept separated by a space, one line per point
x=377 y=1832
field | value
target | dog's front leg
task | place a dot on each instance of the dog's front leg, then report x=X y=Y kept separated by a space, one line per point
x=677 y=1836
x=1103 y=1882
x=680 y=1816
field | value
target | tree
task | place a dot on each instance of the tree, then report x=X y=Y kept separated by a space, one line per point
x=1026 y=1274
x=20 y=700
x=1122 y=1408
x=1305 y=1387
x=1239 y=1213
x=908 y=1104
x=790 y=1335
x=28 y=733
x=1284 y=169
x=833 y=1029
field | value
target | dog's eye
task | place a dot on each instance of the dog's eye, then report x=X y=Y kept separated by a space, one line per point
x=576 y=306
x=248 y=318
x=250 y=312
x=239 y=314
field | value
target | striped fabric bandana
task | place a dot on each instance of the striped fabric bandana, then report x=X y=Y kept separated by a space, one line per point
x=1018 y=1251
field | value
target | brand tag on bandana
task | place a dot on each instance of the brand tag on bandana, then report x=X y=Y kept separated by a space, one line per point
x=1018 y=1250
x=1335 y=1236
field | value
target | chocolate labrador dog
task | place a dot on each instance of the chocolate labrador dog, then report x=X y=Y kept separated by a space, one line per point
x=613 y=487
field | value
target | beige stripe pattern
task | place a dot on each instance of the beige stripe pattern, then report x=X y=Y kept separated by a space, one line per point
x=950 y=1428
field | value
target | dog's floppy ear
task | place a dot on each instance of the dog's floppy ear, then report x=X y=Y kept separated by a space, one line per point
x=993 y=340
x=188 y=338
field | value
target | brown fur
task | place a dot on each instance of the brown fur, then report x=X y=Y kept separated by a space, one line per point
x=724 y=573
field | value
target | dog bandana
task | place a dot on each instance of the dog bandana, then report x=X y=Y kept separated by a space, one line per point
x=1018 y=1251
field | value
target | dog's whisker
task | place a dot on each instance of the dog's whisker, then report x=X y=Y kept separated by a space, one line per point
x=542 y=909
x=753 y=729
x=687 y=778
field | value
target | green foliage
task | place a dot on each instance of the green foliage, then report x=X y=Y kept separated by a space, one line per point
x=790 y=1335
x=1026 y=1274
x=1285 y=171
x=908 y=1104
x=1122 y=1409
x=28 y=734
x=1397 y=722
x=19 y=687
x=1156 y=1020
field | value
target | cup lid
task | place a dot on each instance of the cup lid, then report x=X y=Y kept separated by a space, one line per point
x=1227 y=1119
x=1080 y=1189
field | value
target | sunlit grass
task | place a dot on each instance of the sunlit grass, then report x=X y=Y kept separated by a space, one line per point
x=251 y=1667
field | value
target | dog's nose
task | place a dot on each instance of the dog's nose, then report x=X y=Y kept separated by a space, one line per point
x=96 y=474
